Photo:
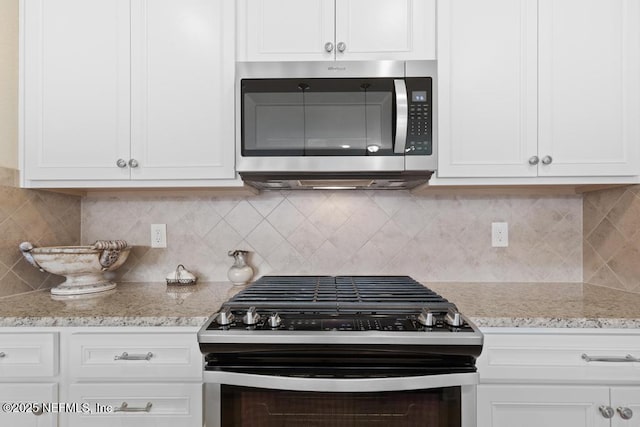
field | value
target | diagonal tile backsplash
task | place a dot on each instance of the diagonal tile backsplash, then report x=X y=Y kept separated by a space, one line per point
x=41 y=217
x=612 y=238
x=346 y=232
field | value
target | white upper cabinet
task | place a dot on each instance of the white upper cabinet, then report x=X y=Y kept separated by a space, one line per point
x=119 y=90
x=589 y=87
x=308 y=30
x=75 y=65
x=532 y=88
x=182 y=89
x=487 y=53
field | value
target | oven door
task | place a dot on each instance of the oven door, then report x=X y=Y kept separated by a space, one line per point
x=324 y=122
x=240 y=399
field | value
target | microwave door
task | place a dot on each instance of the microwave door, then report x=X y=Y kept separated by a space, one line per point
x=401 y=118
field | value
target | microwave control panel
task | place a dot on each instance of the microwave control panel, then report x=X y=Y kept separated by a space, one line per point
x=420 y=116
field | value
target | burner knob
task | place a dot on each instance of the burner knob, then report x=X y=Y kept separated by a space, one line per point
x=225 y=317
x=453 y=318
x=426 y=318
x=251 y=318
x=274 y=320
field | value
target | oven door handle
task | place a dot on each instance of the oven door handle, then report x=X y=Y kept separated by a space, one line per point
x=402 y=114
x=333 y=385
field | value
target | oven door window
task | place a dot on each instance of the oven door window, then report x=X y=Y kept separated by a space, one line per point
x=243 y=406
x=317 y=117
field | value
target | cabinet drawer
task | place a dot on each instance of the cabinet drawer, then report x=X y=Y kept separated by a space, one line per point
x=137 y=404
x=28 y=355
x=126 y=356
x=558 y=357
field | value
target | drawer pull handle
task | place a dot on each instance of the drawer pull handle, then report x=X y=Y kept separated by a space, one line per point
x=627 y=358
x=127 y=356
x=125 y=408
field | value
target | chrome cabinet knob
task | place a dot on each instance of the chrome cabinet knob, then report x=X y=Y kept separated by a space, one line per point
x=328 y=46
x=133 y=163
x=533 y=160
x=342 y=46
x=625 y=413
x=546 y=160
x=606 y=411
x=122 y=163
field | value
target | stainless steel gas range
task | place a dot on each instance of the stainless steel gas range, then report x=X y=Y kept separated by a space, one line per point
x=339 y=351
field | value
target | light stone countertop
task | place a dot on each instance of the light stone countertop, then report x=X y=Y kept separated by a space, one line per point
x=543 y=305
x=533 y=305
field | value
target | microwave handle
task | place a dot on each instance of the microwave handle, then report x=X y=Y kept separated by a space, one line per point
x=402 y=110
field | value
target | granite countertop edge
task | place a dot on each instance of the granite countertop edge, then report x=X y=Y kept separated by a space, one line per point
x=487 y=305
x=199 y=321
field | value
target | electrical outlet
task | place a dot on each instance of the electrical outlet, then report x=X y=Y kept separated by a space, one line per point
x=499 y=234
x=158 y=235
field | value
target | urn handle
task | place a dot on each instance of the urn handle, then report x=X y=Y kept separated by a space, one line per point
x=26 y=248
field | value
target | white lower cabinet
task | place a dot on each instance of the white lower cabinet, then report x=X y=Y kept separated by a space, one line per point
x=18 y=401
x=559 y=378
x=158 y=404
x=28 y=376
x=537 y=406
x=134 y=377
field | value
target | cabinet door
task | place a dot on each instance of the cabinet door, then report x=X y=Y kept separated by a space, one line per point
x=75 y=122
x=487 y=88
x=182 y=89
x=536 y=406
x=626 y=397
x=385 y=29
x=27 y=393
x=589 y=87
x=286 y=30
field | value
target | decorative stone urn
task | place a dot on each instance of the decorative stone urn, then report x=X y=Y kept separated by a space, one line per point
x=83 y=266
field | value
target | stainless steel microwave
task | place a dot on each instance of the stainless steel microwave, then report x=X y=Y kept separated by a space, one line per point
x=360 y=124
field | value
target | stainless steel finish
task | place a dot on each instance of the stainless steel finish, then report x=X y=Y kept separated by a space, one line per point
x=421 y=69
x=352 y=385
x=2 y=354
x=606 y=411
x=338 y=337
x=127 y=356
x=627 y=358
x=319 y=69
x=426 y=318
x=124 y=407
x=402 y=112
x=225 y=317
x=453 y=318
x=365 y=165
x=328 y=46
x=213 y=407
x=251 y=318
x=321 y=164
x=37 y=409
x=546 y=160
x=625 y=413
x=133 y=163
x=275 y=320
x=342 y=46
x=534 y=160
x=122 y=163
